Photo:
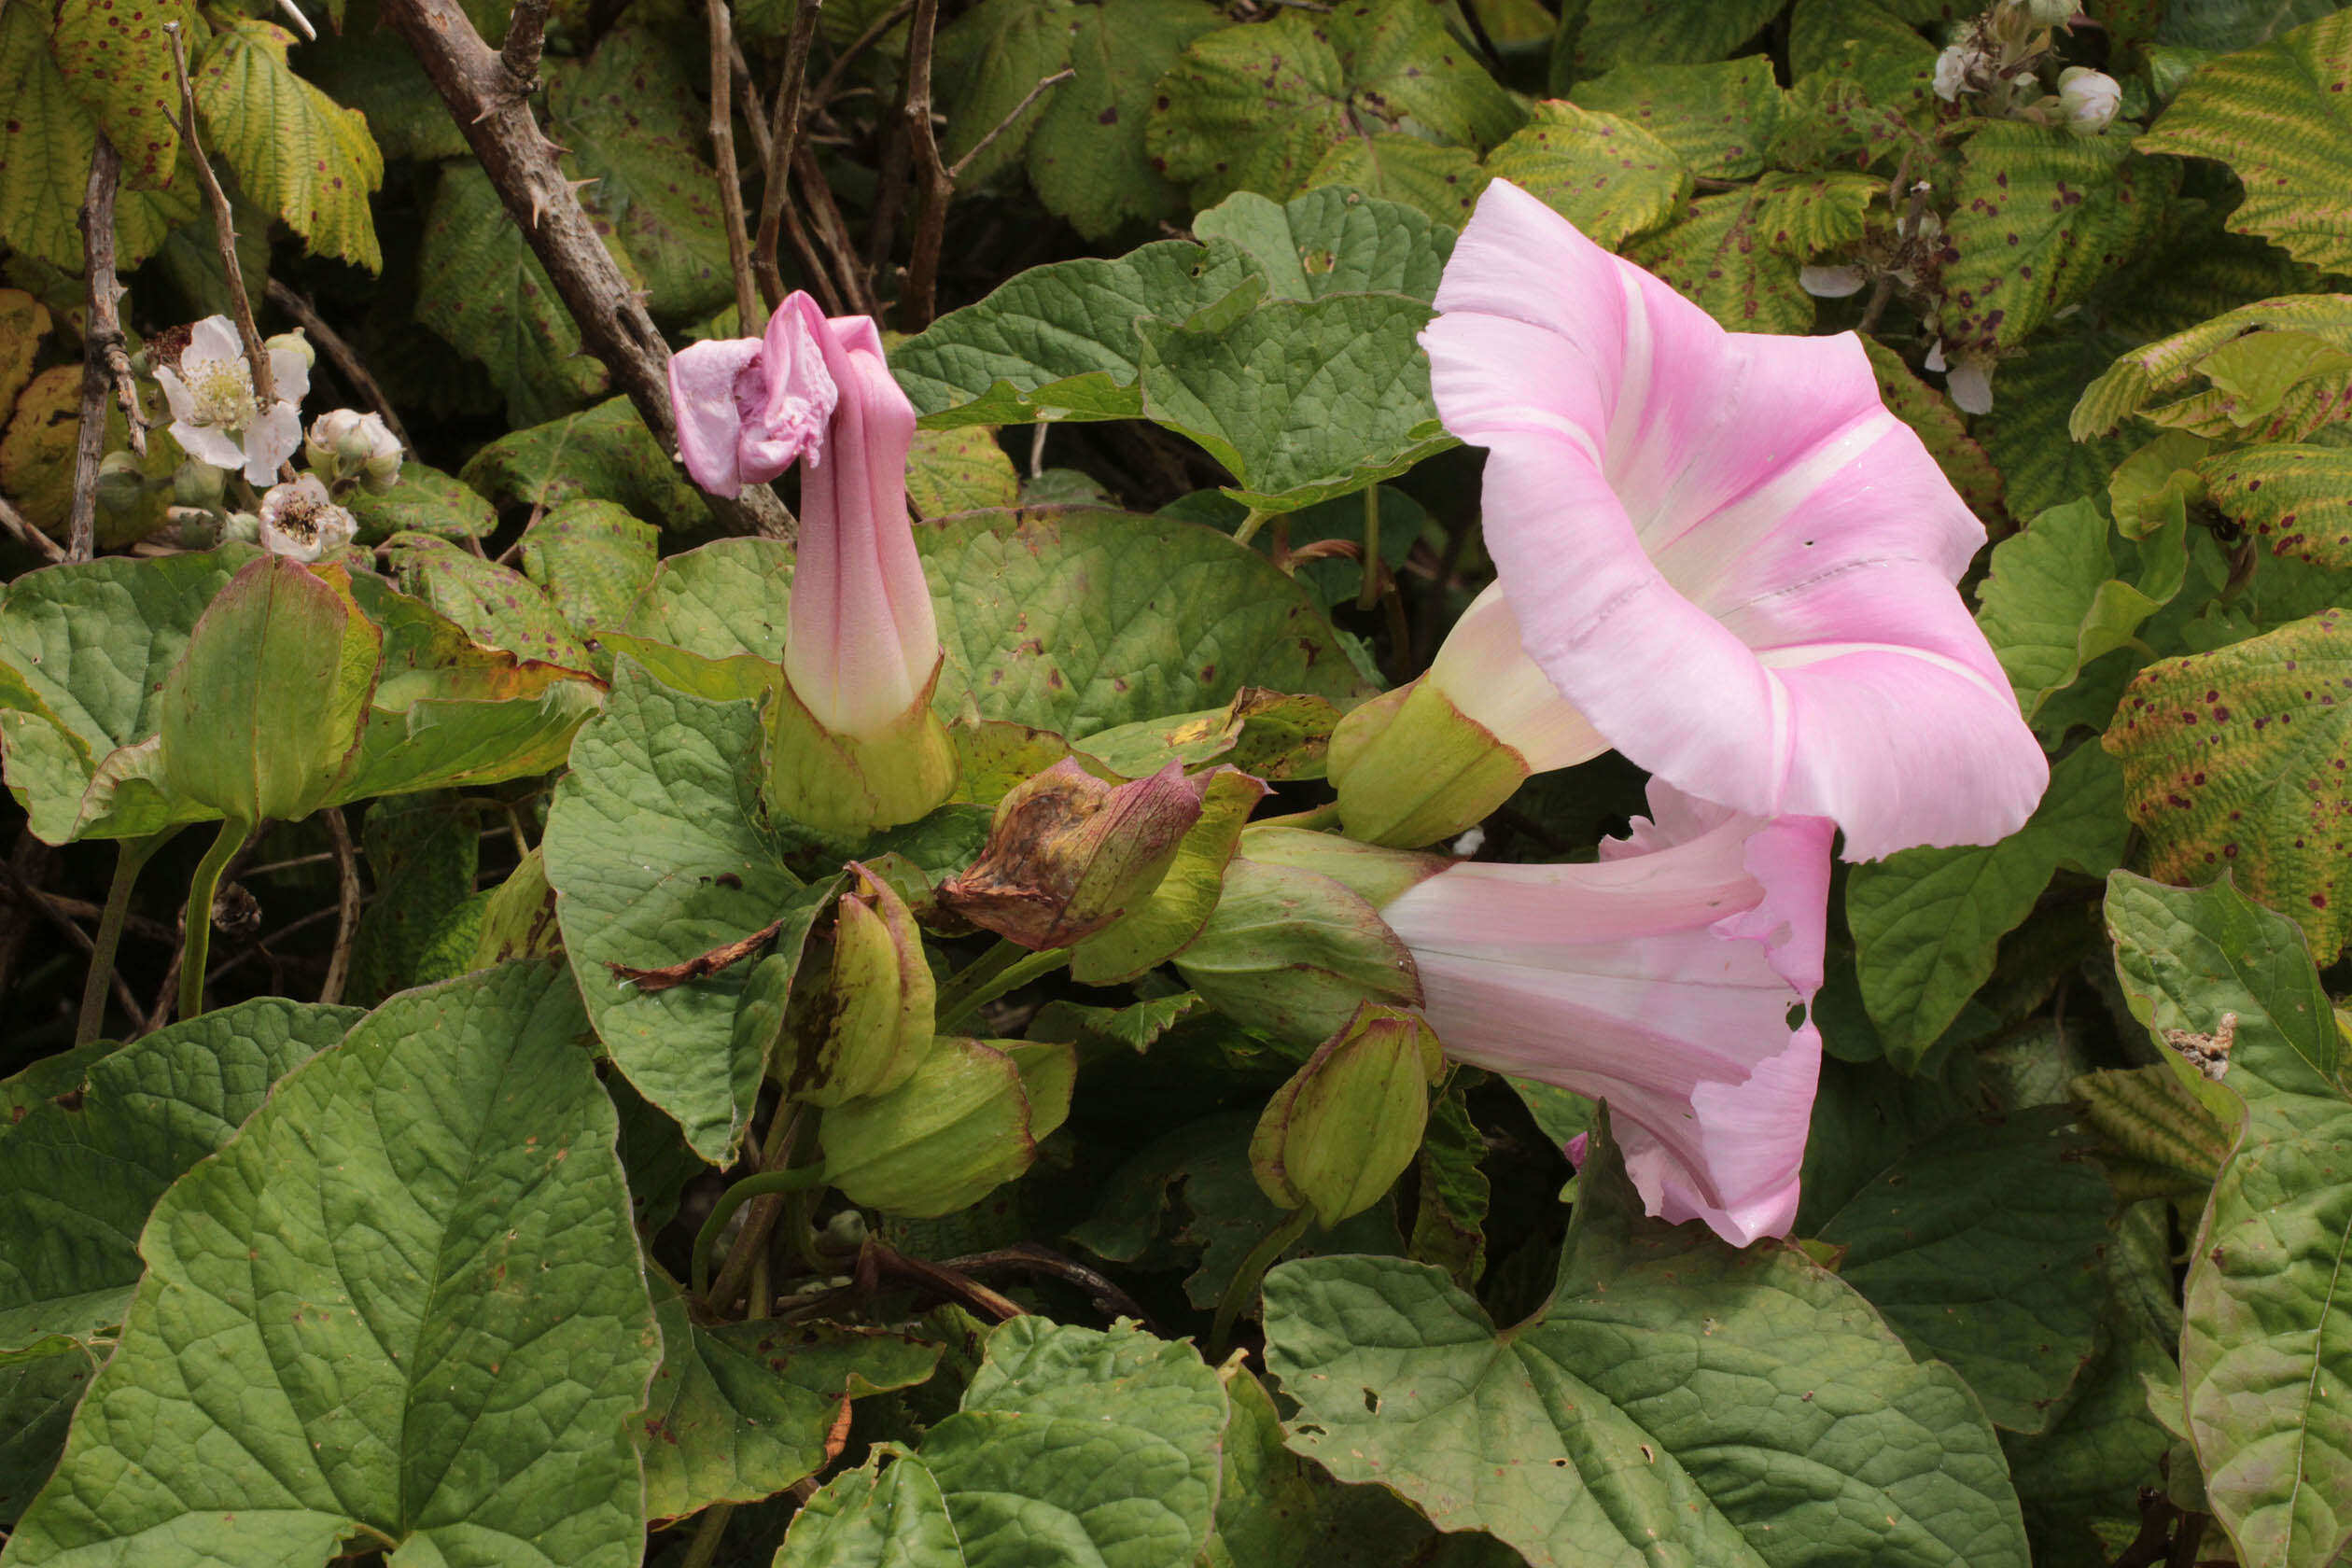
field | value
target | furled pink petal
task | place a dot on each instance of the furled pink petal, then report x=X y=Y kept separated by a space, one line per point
x=798 y=399
x=271 y=439
x=703 y=379
x=1725 y=552
x=861 y=640
x=1660 y=979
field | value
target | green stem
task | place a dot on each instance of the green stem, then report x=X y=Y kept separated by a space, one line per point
x=130 y=858
x=1253 y=1271
x=709 y=1531
x=736 y=1197
x=1250 y=524
x=201 y=889
x=1006 y=967
x=1368 y=592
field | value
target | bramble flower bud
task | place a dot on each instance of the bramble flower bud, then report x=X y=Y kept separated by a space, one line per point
x=121 y=482
x=241 y=527
x=345 y=445
x=198 y=483
x=2050 y=13
x=295 y=342
x=2086 y=100
x=1952 y=67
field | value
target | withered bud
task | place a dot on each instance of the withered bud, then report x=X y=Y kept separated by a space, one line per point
x=1068 y=853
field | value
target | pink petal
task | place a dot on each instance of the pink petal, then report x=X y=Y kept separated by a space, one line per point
x=861 y=639
x=789 y=420
x=702 y=383
x=1659 y=979
x=1720 y=547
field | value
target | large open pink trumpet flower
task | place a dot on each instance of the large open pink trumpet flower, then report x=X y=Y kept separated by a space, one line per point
x=1660 y=979
x=861 y=641
x=1720 y=549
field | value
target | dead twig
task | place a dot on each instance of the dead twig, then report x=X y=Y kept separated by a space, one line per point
x=347 y=897
x=28 y=536
x=700 y=967
x=933 y=184
x=832 y=230
x=956 y=170
x=38 y=902
x=1030 y=1258
x=944 y=1277
x=332 y=344
x=525 y=35
x=783 y=139
x=722 y=149
x=224 y=230
x=829 y=83
x=481 y=92
x=105 y=332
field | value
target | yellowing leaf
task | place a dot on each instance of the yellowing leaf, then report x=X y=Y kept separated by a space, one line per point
x=116 y=58
x=2169 y=369
x=294 y=149
x=1607 y=176
x=2236 y=760
x=1738 y=254
x=2298 y=498
x=479 y=286
x=2277 y=116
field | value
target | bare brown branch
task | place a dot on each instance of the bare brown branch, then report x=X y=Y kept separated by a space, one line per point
x=347 y=895
x=98 y=271
x=722 y=149
x=783 y=139
x=224 y=227
x=1043 y=85
x=481 y=94
x=28 y=536
x=933 y=185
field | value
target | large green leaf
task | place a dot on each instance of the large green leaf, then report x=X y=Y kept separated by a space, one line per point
x=2039 y=217
x=296 y=151
x=479 y=286
x=424 y=502
x=403 y=1304
x=76 y=1185
x=38 y=1392
x=657 y=848
x=2053 y=602
x=2267 y=1347
x=1869 y=45
x=2042 y=464
x=1255 y=107
x=1077 y=620
x=1332 y=242
x=84 y=651
x=1666 y=32
x=46 y=166
x=635 y=123
x=1928 y=923
x=1058 y=342
x=2234 y=762
x=422 y=922
x=367 y=68
x=2275 y=116
x=1073 y=1448
x=603 y=453
x=1302 y=402
x=990 y=60
x=1088 y=158
x=497 y=606
x=591 y=559
x=741 y=1410
x=1675 y=1400
x=1981 y=1245
x=2087 y=1469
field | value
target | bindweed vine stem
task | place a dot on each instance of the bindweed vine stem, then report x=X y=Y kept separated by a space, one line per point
x=130 y=860
x=1247 y=1278
x=1003 y=968
x=201 y=889
x=797 y=1179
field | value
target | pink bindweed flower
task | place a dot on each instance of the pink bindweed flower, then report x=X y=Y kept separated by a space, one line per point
x=1660 y=979
x=1720 y=549
x=861 y=643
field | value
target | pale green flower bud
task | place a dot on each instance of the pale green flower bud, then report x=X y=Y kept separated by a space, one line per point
x=2086 y=100
x=198 y=484
x=121 y=482
x=296 y=342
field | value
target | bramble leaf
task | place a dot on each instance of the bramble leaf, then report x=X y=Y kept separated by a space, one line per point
x=296 y=151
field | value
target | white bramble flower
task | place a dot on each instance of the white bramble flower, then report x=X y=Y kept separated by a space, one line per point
x=216 y=416
x=299 y=520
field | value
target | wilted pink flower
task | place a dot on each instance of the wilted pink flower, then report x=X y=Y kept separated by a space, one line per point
x=1660 y=979
x=1721 y=549
x=861 y=641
